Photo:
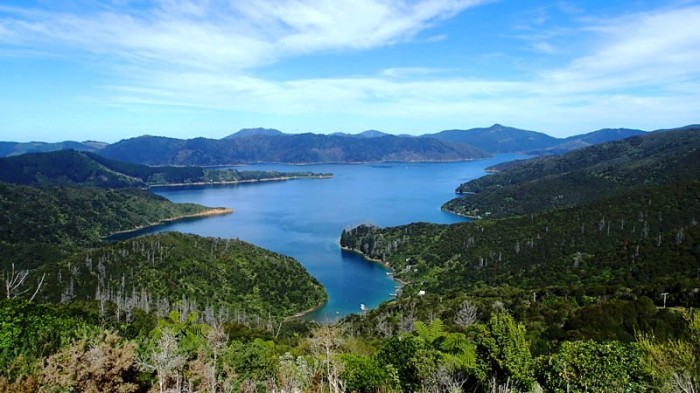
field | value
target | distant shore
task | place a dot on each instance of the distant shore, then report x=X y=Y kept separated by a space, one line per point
x=220 y=183
x=216 y=211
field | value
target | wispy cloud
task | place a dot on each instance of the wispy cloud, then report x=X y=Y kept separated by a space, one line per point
x=218 y=34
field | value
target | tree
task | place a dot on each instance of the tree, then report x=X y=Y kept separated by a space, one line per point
x=503 y=353
x=467 y=314
x=674 y=364
x=165 y=359
x=400 y=352
x=14 y=280
x=324 y=341
x=588 y=366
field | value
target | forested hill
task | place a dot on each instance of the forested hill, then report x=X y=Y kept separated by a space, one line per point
x=582 y=176
x=76 y=168
x=637 y=239
x=170 y=271
x=503 y=139
x=498 y=139
x=582 y=264
x=39 y=224
x=300 y=148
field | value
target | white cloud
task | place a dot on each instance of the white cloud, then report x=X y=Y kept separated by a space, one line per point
x=656 y=49
x=234 y=35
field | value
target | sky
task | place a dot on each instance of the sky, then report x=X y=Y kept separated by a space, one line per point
x=115 y=69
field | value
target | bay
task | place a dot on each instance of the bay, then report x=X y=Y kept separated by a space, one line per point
x=304 y=218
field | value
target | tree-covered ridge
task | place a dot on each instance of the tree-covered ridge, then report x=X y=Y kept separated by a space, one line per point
x=76 y=168
x=298 y=148
x=37 y=221
x=582 y=176
x=589 y=272
x=643 y=239
x=156 y=272
x=66 y=167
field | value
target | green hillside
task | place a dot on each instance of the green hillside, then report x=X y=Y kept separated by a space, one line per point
x=582 y=176
x=38 y=221
x=641 y=239
x=157 y=272
x=76 y=168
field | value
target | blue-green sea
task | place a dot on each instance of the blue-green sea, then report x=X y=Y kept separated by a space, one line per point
x=304 y=218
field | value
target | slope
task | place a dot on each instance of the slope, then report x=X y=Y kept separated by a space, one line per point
x=498 y=139
x=156 y=272
x=75 y=168
x=40 y=224
x=582 y=176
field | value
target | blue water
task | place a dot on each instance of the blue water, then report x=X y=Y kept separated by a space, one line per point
x=304 y=218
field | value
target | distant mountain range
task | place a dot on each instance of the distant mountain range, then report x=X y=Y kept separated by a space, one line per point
x=17 y=148
x=298 y=148
x=252 y=145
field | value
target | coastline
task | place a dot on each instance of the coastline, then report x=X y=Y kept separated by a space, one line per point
x=216 y=211
x=379 y=261
x=221 y=183
x=461 y=214
x=307 y=311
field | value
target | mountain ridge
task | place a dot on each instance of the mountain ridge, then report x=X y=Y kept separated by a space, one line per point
x=295 y=149
x=581 y=176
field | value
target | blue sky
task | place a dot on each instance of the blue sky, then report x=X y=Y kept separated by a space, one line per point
x=115 y=69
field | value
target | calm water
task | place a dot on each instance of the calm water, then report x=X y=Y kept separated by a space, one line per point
x=304 y=218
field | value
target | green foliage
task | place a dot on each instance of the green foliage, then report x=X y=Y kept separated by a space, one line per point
x=29 y=331
x=582 y=176
x=39 y=224
x=189 y=332
x=674 y=364
x=587 y=366
x=503 y=352
x=63 y=167
x=364 y=374
x=190 y=272
x=592 y=269
x=401 y=353
x=256 y=361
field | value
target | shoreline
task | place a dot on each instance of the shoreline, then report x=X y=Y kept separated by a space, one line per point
x=307 y=311
x=221 y=183
x=475 y=218
x=386 y=265
x=216 y=211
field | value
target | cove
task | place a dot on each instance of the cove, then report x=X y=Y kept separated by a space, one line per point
x=304 y=218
